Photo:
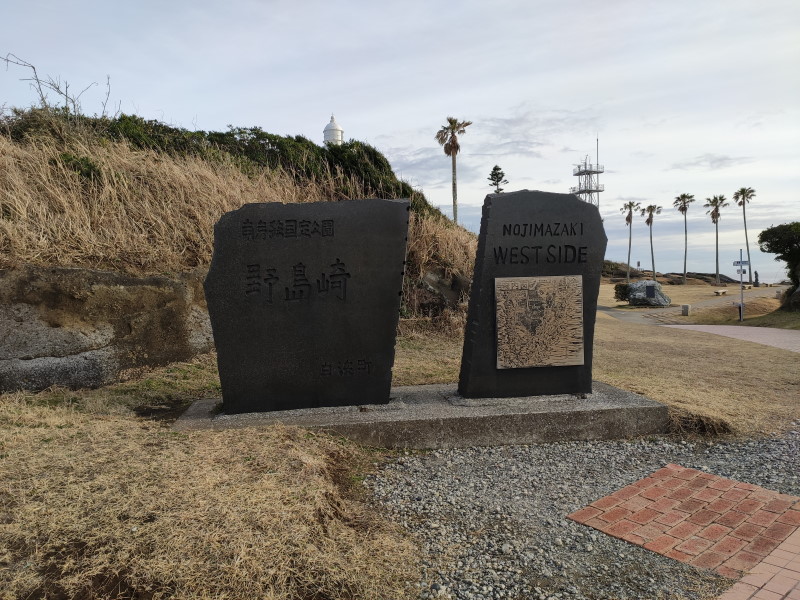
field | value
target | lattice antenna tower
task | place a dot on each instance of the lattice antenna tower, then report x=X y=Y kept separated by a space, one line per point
x=589 y=186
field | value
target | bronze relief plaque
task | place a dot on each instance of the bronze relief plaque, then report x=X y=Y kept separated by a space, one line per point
x=539 y=321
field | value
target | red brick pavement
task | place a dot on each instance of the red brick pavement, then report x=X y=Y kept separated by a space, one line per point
x=776 y=577
x=712 y=523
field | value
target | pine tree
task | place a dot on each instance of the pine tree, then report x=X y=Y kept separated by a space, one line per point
x=497 y=178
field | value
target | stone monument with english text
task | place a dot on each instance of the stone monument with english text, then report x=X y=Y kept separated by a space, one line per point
x=531 y=316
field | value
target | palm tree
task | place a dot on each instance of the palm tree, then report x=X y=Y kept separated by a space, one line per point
x=651 y=211
x=682 y=203
x=447 y=136
x=742 y=196
x=715 y=204
x=628 y=209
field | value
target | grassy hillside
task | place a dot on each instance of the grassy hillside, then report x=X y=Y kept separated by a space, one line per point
x=142 y=197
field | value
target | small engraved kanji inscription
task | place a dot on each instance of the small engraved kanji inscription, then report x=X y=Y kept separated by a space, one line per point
x=270 y=279
x=252 y=280
x=539 y=321
x=248 y=231
x=346 y=368
x=301 y=288
x=286 y=228
x=336 y=280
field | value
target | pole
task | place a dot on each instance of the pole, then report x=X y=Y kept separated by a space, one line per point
x=741 y=287
x=597 y=167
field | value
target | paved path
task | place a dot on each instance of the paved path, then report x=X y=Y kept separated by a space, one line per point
x=742 y=531
x=777 y=577
x=650 y=316
x=640 y=317
x=787 y=339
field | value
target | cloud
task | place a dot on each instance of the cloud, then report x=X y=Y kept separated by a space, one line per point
x=429 y=165
x=512 y=147
x=537 y=124
x=625 y=199
x=756 y=120
x=711 y=162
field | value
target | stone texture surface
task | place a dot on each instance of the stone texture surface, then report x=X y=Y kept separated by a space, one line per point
x=637 y=294
x=531 y=234
x=80 y=327
x=304 y=302
x=435 y=416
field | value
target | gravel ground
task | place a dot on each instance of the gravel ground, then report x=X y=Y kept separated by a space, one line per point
x=491 y=521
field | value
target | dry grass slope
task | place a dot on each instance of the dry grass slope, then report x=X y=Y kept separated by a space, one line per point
x=147 y=213
x=151 y=213
x=107 y=506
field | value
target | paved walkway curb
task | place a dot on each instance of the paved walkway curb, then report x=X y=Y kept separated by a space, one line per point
x=786 y=339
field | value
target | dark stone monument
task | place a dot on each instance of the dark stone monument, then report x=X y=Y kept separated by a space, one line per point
x=304 y=301
x=530 y=326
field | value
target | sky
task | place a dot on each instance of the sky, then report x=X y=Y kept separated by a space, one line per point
x=685 y=96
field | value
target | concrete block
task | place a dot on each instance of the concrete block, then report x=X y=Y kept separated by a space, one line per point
x=435 y=416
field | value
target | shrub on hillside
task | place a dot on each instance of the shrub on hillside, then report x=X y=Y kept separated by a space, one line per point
x=350 y=169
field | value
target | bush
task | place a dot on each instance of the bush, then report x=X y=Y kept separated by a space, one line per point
x=784 y=242
x=352 y=169
x=82 y=165
x=622 y=292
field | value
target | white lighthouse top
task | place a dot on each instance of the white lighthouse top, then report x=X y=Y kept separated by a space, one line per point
x=333 y=132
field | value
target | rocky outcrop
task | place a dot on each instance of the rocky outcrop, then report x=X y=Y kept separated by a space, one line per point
x=638 y=294
x=81 y=328
x=436 y=293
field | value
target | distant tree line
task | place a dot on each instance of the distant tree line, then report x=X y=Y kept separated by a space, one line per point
x=715 y=204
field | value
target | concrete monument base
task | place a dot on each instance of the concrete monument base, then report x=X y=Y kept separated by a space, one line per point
x=435 y=416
